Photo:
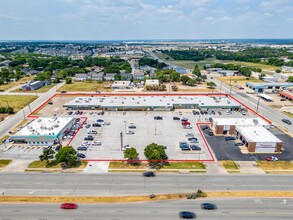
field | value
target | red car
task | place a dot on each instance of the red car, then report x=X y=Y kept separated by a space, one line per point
x=68 y=206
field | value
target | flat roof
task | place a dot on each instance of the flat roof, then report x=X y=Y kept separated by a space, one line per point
x=255 y=84
x=49 y=126
x=266 y=96
x=153 y=101
x=257 y=134
x=240 y=121
x=287 y=94
x=121 y=83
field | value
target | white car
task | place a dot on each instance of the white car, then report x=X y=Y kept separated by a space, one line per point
x=97 y=143
x=188 y=127
x=189 y=135
x=106 y=123
x=126 y=147
x=130 y=132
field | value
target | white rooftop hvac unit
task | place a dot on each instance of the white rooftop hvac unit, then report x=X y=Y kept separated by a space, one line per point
x=39 y=120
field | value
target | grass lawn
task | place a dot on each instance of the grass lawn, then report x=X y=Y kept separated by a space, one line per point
x=4 y=163
x=12 y=84
x=276 y=166
x=230 y=166
x=125 y=165
x=42 y=164
x=16 y=101
x=40 y=90
x=255 y=65
x=83 y=87
x=185 y=165
x=5 y=137
x=289 y=114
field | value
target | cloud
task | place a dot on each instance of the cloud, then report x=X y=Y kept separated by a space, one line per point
x=225 y=18
x=268 y=14
x=21 y=19
x=209 y=18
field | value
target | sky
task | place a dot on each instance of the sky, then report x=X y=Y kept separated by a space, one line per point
x=145 y=19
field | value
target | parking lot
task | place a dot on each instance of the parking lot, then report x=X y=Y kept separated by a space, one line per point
x=226 y=150
x=167 y=132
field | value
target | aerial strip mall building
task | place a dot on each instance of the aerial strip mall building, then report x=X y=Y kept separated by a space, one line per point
x=152 y=103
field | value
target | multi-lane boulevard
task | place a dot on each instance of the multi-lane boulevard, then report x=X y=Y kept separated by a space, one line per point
x=227 y=209
x=135 y=184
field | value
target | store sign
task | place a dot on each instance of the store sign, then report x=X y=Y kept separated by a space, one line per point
x=265 y=147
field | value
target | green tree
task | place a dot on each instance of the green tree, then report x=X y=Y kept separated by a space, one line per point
x=191 y=82
x=211 y=85
x=9 y=110
x=155 y=152
x=174 y=76
x=278 y=71
x=117 y=77
x=196 y=71
x=131 y=154
x=261 y=76
x=184 y=79
x=67 y=155
x=290 y=79
x=68 y=80
x=47 y=155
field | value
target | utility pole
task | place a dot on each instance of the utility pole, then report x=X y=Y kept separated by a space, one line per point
x=257 y=104
x=121 y=139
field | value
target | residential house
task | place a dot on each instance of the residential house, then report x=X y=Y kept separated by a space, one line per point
x=98 y=76
x=97 y=69
x=110 y=76
x=81 y=77
x=152 y=82
x=138 y=75
x=126 y=76
x=34 y=85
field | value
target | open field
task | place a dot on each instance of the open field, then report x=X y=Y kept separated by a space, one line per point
x=190 y=64
x=40 y=90
x=239 y=80
x=12 y=84
x=16 y=101
x=83 y=87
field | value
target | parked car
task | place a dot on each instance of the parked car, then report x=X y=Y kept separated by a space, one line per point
x=185 y=123
x=80 y=155
x=185 y=148
x=97 y=143
x=211 y=133
x=57 y=148
x=69 y=113
x=282 y=100
x=97 y=125
x=220 y=113
x=184 y=119
x=208 y=206
x=204 y=128
x=187 y=215
x=88 y=126
x=287 y=121
x=50 y=103
x=192 y=138
x=230 y=138
x=158 y=118
x=63 y=91
x=89 y=138
x=92 y=132
x=82 y=148
x=106 y=123
x=68 y=206
x=149 y=174
x=189 y=135
x=195 y=147
x=271 y=158
x=100 y=120
x=187 y=127
x=176 y=118
x=130 y=132
x=132 y=127
x=125 y=147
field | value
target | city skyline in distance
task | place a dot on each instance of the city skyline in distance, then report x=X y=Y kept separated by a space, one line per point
x=72 y=20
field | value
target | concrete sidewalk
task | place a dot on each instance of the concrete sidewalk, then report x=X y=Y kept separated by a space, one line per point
x=97 y=167
x=249 y=167
x=16 y=166
x=215 y=168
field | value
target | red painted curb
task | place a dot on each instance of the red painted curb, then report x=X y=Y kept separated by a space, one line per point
x=85 y=119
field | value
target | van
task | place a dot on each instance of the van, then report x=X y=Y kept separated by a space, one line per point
x=92 y=132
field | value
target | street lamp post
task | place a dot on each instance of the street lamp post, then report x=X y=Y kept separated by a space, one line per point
x=125 y=126
x=257 y=104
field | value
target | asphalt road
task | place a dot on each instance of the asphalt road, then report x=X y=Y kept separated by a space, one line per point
x=252 y=209
x=135 y=184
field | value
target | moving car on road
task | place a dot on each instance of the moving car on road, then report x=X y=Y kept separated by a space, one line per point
x=208 y=206
x=68 y=206
x=187 y=215
x=149 y=174
x=287 y=121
